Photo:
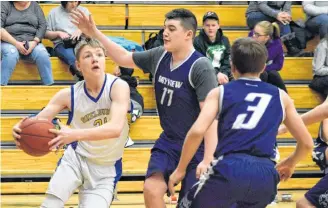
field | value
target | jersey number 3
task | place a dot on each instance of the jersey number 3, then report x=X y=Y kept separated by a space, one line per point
x=256 y=111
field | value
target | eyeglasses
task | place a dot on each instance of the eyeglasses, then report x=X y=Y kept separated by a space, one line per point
x=258 y=34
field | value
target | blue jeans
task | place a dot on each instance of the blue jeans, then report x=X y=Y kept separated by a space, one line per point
x=254 y=17
x=318 y=24
x=39 y=55
x=65 y=54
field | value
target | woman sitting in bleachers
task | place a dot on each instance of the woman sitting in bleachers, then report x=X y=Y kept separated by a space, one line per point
x=23 y=26
x=274 y=11
x=64 y=33
x=320 y=68
x=268 y=34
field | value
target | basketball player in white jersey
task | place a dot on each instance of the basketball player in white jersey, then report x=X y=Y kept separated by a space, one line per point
x=97 y=114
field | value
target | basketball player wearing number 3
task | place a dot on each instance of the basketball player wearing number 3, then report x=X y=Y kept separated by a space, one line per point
x=97 y=114
x=249 y=113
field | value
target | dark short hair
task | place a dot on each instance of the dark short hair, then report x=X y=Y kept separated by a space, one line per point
x=64 y=3
x=186 y=17
x=248 y=56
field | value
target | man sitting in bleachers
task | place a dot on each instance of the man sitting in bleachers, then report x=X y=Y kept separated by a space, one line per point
x=64 y=34
x=214 y=45
x=22 y=28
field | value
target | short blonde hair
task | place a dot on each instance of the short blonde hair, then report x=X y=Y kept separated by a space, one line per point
x=271 y=29
x=90 y=42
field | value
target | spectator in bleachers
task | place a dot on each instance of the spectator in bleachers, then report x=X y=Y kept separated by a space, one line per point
x=320 y=68
x=23 y=26
x=317 y=17
x=214 y=45
x=268 y=34
x=274 y=11
x=61 y=31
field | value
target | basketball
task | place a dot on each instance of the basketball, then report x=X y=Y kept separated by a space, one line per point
x=35 y=136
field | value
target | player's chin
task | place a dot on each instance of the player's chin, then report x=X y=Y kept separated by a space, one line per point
x=168 y=47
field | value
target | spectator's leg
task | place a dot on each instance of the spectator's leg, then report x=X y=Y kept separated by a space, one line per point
x=318 y=24
x=275 y=79
x=254 y=17
x=9 y=59
x=67 y=55
x=284 y=29
x=40 y=56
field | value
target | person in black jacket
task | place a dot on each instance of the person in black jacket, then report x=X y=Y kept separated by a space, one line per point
x=214 y=45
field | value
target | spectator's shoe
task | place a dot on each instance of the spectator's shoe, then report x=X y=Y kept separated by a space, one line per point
x=129 y=142
x=76 y=73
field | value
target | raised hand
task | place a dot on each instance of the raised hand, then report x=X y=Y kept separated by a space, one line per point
x=85 y=23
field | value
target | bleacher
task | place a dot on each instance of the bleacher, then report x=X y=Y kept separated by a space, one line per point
x=25 y=178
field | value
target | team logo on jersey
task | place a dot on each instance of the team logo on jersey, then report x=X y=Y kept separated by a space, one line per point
x=169 y=82
x=323 y=200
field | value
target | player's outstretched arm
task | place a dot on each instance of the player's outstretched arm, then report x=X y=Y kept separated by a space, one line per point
x=88 y=27
x=210 y=143
x=317 y=114
x=195 y=136
x=299 y=131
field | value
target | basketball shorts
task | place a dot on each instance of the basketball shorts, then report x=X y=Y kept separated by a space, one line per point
x=319 y=154
x=318 y=195
x=92 y=180
x=237 y=180
x=166 y=161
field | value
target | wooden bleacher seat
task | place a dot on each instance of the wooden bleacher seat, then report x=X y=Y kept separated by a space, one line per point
x=112 y=15
x=147 y=128
x=135 y=161
x=28 y=97
x=139 y=14
x=299 y=69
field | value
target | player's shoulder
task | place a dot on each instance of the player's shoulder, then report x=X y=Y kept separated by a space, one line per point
x=116 y=84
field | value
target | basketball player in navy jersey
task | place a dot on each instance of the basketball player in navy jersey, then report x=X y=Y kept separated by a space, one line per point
x=317 y=196
x=182 y=79
x=249 y=113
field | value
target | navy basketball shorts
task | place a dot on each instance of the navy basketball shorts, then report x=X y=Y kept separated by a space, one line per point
x=319 y=154
x=235 y=180
x=318 y=194
x=166 y=162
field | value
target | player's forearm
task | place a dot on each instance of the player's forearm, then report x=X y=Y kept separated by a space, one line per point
x=211 y=142
x=317 y=114
x=302 y=151
x=107 y=131
x=190 y=146
x=119 y=55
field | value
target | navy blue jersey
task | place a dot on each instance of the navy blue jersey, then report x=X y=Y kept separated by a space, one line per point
x=250 y=114
x=177 y=103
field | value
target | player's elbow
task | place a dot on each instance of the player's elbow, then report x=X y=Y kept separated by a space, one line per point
x=308 y=144
x=116 y=130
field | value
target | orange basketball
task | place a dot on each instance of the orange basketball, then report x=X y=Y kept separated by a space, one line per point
x=35 y=136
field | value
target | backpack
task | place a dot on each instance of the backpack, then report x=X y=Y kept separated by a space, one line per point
x=154 y=40
x=127 y=44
